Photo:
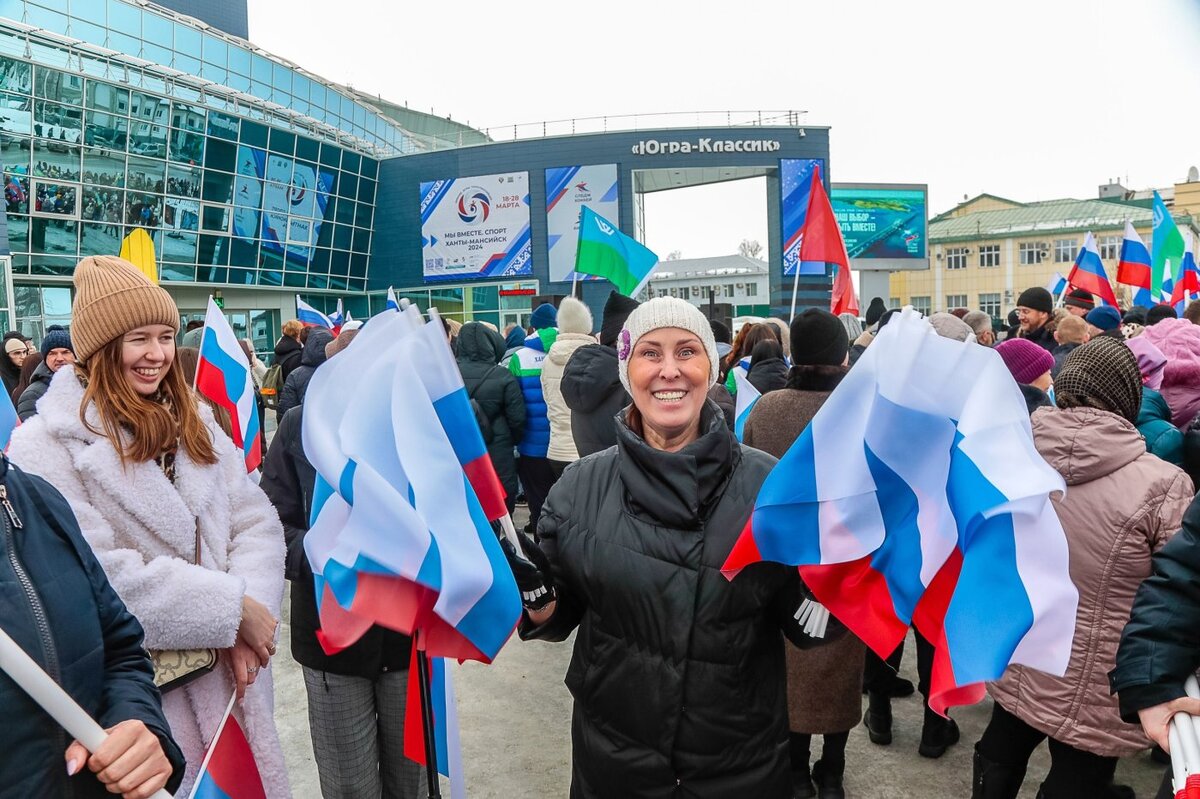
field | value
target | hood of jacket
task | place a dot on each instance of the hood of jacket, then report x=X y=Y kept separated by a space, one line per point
x=1085 y=444
x=515 y=338
x=286 y=345
x=590 y=377
x=565 y=345
x=677 y=489
x=1154 y=408
x=478 y=342
x=43 y=373
x=314 y=348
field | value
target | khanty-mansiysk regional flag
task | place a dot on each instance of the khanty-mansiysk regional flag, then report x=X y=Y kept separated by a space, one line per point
x=959 y=538
x=1133 y=267
x=223 y=375
x=606 y=252
x=399 y=536
x=1166 y=251
x=1088 y=272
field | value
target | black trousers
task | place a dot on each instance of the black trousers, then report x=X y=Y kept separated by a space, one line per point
x=1074 y=774
x=537 y=478
x=878 y=673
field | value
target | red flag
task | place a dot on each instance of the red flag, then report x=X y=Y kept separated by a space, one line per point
x=822 y=241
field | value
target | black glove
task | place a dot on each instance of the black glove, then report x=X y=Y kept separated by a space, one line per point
x=531 y=569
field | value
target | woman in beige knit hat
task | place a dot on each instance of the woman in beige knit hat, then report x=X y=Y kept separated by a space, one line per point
x=191 y=545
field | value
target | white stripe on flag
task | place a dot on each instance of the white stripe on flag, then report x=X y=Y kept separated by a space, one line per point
x=216 y=327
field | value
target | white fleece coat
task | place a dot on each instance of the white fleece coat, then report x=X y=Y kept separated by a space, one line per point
x=143 y=530
x=574 y=331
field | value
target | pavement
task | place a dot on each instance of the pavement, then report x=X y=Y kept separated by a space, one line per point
x=515 y=718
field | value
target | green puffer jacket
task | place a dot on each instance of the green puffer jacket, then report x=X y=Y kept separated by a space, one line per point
x=1154 y=423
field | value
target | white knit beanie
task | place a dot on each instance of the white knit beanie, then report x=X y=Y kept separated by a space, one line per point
x=663 y=312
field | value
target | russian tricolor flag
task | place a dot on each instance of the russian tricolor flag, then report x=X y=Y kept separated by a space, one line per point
x=228 y=770
x=1133 y=267
x=747 y=396
x=445 y=721
x=959 y=538
x=223 y=375
x=310 y=316
x=1187 y=283
x=392 y=303
x=1088 y=272
x=1057 y=284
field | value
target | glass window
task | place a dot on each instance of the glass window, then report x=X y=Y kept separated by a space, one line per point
x=260 y=69
x=282 y=142
x=956 y=301
x=344 y=212
x=183 y=181
x=103 y=169
x=362 y=215
x=351 y=162
x=213 y=250
x=956 y=257
x=920 y=304
x=16 y=115
x=187 y=40
x=55 y=121
x=177 y=272
x=239 y=61
x=16 y=76
x=358 y=265
x=330 y=155
x=221 y=155
x=45 y=18
x=320 y=261
x=339 y=263
x=101 y=204
x=215 y=218
x=366 y=191
x=370 y=168
x=1110 y=247
x=990 y=305
x=106 y=97
x=215 y=51
x=223 y=126
x=143 y=210
x=127 y=19
x=187 y=117
x=348 y=186
x=342 y=237
x=145 y=174
x=52 y=159
x=1032 y=252
x=989 y=255
x=281 y=79
x=254 y=134
x=1064 y=251
x=99 y=239
x=178 y=246
x=105 y=130
x=307 y=149
x=63 y=87
x=16 y=194
x=218 y=187
x=186 y=146
x=362 y=240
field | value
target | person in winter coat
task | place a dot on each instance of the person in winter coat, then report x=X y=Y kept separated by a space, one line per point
x=1154 y=418
x=1179 y=341
x=297 y=382
x=15 y=350
x=591 y=383
x=824 y=686
x=677 y=673
x=537 y=476
x=288 y=349
x=1030 y=366
x=32 y=362
x=768 y=369
x=1070 y=333
x=356 y=697
x=1035 y=314
x=56 y=353
x=741 y=356
x=574 y=331
x=1122 y=505
x=191 y=545
x=496 y=391
x=91 y=646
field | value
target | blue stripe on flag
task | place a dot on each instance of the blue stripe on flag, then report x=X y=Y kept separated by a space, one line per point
x=458 y=420
x=207 y=788
x=346 y=482
x=989 y=585
x=898 y=558
x=322 y=491
x=437 y=686
x=786 y=522
x=236 y=378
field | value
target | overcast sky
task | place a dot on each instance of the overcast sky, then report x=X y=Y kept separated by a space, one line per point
x=1028 y=99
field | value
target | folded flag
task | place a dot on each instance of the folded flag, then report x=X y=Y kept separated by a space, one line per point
x=1057 y=284
x=1088 y=272
x=1133 y=267
x=392 y=303
x=604 y=251
x=228 y=770
x=959 y=538
x=747 y=395
x=310 y=316
x=445 y=721
x=1166 y=250
x=821 y=241
x=1187 y=281
x=223 y=375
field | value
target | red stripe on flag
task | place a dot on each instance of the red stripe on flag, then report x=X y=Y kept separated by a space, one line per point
x=414 y=725
x=1133 y=274
x=210 y=381
x=858 y=596
x=930 y=618
x=481 y=474
x=744 y=552
x=232 y=765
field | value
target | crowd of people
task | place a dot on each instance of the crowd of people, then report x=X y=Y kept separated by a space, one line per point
x=140 y=533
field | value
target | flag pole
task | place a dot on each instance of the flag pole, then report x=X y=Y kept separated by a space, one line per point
x=50 y=696
x=212 y=745
x=431 y=771
x=795 y=290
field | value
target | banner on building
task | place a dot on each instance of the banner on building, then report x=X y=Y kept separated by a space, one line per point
x=279 y=201
x=795 y=183
x=568 y=189
x=883 y=225
x=476 y=227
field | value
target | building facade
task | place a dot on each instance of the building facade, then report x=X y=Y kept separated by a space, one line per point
x=743 y=283
x=987 y=250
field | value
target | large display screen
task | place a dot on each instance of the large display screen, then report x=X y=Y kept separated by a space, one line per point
x=882 y=223
x=568 y=189
x=476 y=227
x=280 y=201
x=795 y=185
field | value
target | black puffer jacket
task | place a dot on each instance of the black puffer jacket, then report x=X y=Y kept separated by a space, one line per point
x=287 y=480
x=39 y=381
x=591 y=387
x=287 y=355
x=767 y=375
x=94 y=647
x=677 y=673
x=499 y=395
x=296 y=384
x=1160 y=647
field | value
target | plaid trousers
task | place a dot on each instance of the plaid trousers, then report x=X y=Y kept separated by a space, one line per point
x=357 y=727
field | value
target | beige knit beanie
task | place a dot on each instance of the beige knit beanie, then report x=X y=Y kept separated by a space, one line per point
x=112 y=297
x=663 y=312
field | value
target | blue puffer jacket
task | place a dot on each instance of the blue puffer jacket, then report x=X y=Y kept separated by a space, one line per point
x=526 y=365
x=92 y=645
x=1154 y=423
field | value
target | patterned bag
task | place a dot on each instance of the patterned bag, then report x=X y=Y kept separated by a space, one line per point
x=177 y=667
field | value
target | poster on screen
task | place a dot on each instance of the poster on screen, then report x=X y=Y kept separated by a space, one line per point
x=280 y=201
x=569 y=188
x=476 y=227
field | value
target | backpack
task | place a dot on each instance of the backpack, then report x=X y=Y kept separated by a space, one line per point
x=272 y=384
